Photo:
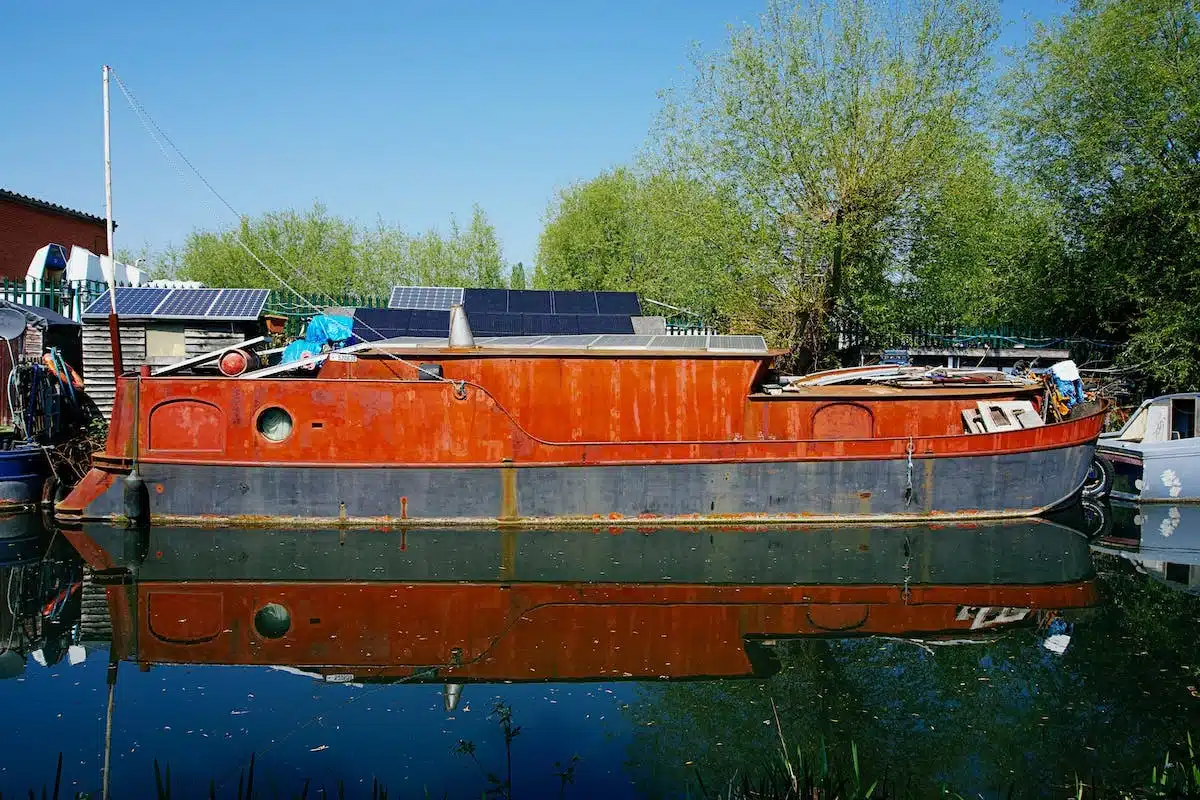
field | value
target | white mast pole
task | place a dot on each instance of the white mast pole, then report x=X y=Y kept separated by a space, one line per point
x=114 y=332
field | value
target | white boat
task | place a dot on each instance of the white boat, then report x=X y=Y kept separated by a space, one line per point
x=1154 y=458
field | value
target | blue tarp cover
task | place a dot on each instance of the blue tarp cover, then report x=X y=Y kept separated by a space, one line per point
x=322 y=329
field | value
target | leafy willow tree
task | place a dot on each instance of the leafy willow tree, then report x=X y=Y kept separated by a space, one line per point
x=1105 y=114
x=832 y=124
x=666 y=236
x=317 y=253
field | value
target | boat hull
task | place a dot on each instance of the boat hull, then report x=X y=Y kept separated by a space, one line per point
x=974 y=486
x=1163 y=472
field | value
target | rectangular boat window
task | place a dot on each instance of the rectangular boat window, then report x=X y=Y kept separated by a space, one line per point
x=1183 y=418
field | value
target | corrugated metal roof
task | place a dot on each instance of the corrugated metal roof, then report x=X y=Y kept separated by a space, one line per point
x=45 y=205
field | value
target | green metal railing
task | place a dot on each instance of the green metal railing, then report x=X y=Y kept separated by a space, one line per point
x=286 y=304
x=68 y=298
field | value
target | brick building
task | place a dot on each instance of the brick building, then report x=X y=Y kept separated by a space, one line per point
x=27 y=224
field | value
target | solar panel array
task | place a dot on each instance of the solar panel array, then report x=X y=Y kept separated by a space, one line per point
x=147 y=301
x=427 y=298
x=532 y=301
x=422 y=311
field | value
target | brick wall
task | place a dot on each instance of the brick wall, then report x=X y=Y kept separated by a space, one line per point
x=24 y=229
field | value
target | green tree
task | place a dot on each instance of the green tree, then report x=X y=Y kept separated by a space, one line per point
x=516 y=276
x=316 y=253
x=588 y=239
x=666 y=236
x=832 y=123
x=1105 y=115
x=484 y=264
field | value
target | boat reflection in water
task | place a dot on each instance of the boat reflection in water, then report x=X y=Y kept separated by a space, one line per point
x=1162 y=540
x=527 y=605
x=41 y=580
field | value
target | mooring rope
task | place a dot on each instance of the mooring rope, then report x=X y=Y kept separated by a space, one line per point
x=153 y=129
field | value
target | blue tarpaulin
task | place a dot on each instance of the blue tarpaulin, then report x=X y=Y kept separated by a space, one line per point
x=322 y=329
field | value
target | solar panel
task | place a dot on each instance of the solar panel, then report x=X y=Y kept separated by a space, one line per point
x=550 y=323
x=427 y=322
x=604 y=323
x=191 y=303
x=131 y=301
x=528 y=301
x=429 y=298
x=495 y=324
x=618 y=303
x=491 y=300
x=620 y=342
x=574 y=302
x=568 y=341
x=373 y=324
x=738 y=344
x=139 y=301
x=679 y=343
x=237 y=304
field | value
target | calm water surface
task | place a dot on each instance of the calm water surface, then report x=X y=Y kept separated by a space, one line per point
x=982 y=658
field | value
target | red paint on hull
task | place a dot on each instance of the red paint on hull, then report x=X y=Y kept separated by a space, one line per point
x=546 y=631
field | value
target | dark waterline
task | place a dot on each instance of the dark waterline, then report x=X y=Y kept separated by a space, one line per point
x=660 y=659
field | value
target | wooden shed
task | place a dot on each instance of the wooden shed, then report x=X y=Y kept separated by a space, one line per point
x=160 y=327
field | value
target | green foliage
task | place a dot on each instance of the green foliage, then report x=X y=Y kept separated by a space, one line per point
x=833 y=124
x=516 y=276
x=314 y=252
x=1104 y=112
x=663 y=235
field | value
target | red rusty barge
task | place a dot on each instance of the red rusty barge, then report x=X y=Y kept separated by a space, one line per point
x=568 y=432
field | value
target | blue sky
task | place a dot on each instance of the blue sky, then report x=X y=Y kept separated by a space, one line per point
x=409 y=112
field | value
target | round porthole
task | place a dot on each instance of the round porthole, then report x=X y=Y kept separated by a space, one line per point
x=272 y=621
x=275 y=424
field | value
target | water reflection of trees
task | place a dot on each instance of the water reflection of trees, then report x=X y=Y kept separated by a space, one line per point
x=972 y=717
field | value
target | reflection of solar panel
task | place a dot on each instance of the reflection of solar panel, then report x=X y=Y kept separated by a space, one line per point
x=487 y=300
x=131 y=301
x=574 y=302
x=432 y=298
x=239 y=304
x=191 y=303
x=618 y=303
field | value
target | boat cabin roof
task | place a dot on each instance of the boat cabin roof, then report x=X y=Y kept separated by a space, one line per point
x=639 y=343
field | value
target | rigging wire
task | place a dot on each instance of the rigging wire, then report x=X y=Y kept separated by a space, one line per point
x=158 y=135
